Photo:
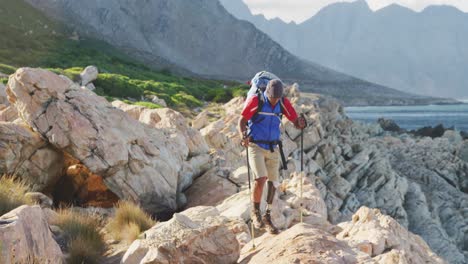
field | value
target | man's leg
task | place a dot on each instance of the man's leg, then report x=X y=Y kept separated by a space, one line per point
x=257 y=163
x=257 y=197
x=272 y=163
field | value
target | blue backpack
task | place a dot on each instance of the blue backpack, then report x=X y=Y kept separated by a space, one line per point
x=258 y=85
x=259 y=82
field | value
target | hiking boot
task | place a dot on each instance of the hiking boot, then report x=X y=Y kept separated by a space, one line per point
x=257 y=219
x=269 y=224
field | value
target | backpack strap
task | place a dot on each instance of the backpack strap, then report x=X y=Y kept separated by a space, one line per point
x=283 y=108
x=261 y=102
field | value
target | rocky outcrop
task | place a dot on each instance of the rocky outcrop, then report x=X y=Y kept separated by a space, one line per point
x=25 y=154
x=186 y=139
x=136 y=162
x=25 y=237
x=198 y=235
x=437 y=200
x=388 y=125
x=382 y=238
x=354 y=165
x=302 y=243
x=412 y=180
x=166 y=118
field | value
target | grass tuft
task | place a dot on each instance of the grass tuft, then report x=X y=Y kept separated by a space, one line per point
x=85 y=244
x=129 y=221
x=12 y=193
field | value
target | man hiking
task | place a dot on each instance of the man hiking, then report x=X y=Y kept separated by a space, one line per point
x=259 y=127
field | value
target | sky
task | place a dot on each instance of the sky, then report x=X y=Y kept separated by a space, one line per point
x=300 y=10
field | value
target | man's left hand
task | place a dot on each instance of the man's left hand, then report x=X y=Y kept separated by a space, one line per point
x=300 y=122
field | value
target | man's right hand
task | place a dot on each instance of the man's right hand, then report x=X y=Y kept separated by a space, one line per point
x=245 y=141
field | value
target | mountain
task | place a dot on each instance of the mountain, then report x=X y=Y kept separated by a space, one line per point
x=203 y=38
x=419 y=52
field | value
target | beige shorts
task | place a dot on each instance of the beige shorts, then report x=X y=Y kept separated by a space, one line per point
x=264 y=162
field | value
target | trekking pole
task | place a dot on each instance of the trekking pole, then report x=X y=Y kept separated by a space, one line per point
x=302 y=164
x=250 y=195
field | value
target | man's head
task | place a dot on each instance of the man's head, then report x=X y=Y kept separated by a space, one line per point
x=274 y=91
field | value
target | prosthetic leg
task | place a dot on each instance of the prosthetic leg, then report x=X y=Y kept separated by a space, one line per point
x=267 y=217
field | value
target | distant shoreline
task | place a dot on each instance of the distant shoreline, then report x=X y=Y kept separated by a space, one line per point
x=412 y=117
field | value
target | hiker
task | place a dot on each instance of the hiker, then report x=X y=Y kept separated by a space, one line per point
x=259 y=127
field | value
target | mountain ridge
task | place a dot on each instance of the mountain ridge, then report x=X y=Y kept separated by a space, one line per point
x=420 y=52
x=212 y=44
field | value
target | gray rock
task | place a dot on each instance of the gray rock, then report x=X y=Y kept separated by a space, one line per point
x=25 y=237
x=89 y=75
x=40 y=199
x=90 y=86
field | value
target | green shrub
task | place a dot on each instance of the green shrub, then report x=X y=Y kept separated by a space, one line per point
x=188 y=100
x=148 y=105
x=118 y=86
x=129 y=221
x=85 y=244
x=7 y=69
x=12 y=193
x=72 y=73
x=239 y=91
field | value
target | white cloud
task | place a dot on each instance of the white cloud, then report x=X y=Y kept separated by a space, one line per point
x=300 y=10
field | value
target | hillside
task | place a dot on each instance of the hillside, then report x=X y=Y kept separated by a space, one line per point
x=212 y=44
x=31 y=39
x=418 y=52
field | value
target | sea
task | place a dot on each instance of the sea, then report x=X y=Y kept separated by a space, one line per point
x=414 y=117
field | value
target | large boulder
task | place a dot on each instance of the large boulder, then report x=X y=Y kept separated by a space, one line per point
x=302 y=243
x=25 y=237
x=199 y=235
x=383 y=235
x=168 y=119
x=25 y=154
x=136 y=161
x=89 y=75
x=187 y=140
